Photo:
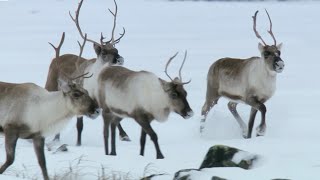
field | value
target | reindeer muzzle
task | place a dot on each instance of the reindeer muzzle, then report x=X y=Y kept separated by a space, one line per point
x=189 y=114
x=120 y=60
x=94 y=114
x=278 y=65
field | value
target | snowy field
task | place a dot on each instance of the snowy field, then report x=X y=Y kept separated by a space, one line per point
x=155 y=31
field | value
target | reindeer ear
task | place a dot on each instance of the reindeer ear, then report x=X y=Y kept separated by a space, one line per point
x=97 y=48
x=165 y=85
x=260 y=47
x=279 y=46
x=63 y=85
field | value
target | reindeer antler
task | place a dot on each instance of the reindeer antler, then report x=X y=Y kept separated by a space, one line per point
x=57 y=49
x=76 y=21
x=184 y=59
x=114 y=14
x=180 y=77
x=270 y=31
x=80 y=54
x=254 y=27
x=169 y=61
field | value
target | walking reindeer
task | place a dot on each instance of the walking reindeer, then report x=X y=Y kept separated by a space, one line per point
x=142 y=96
x=107 y=54
x=251 y=81
x=29 y=111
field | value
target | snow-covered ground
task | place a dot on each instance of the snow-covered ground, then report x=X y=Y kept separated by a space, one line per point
x=155 y=31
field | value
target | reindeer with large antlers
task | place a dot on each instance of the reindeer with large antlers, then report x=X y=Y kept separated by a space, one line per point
x=251 y=81
x=142 y=96
x=107 y=54
x=29 y=111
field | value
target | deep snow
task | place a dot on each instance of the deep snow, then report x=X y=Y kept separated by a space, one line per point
x=155 y=31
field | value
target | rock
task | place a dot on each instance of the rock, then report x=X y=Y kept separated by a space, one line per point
x=193 y=174
x=225 y=156
x=153 y=176
x=184 y=174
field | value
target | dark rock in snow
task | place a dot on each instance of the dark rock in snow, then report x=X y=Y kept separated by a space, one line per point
x=186 y=174
x=153 y=176
x=217 y=178
x=225 y=156
x=183 y=174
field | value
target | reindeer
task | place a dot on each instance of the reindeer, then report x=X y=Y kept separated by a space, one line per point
x=251 y=81
x=142 y=96
x=29 y=111
x=107 y=54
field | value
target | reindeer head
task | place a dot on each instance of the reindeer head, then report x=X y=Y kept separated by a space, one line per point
x=106 y=51
x=79 y=100
x=269 y=53
x=177 y=94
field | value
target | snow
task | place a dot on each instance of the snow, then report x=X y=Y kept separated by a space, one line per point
x=155 y=30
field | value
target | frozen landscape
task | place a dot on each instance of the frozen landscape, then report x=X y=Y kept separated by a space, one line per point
x=155 y=30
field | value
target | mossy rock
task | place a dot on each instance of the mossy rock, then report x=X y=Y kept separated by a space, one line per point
x=190 y=174
x=150 y=177
x=217 y=178
x=225 y=156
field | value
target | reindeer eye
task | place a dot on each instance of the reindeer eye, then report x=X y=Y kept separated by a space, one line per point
x=76 y=94
x=279 y=53
x=266 y=53
x=174 y=95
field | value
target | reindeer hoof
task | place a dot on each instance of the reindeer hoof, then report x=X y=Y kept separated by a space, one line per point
x=261 y=130
x=78 y=144
x=125 y=138
x=160 y=156
x=113 y=154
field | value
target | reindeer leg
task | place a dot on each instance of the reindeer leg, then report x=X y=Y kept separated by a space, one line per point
x=107 y=117
x=233 y=109
x=208 y=105
x=212 y=97
x=79 y=129
x=11 y=137
x=113 y=139
x=123 y=134
x=38 y=143
x=142 y=141
x=257 y=106
x=145 y=124
x=253 y=114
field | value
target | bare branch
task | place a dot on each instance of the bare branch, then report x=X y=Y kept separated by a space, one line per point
x=169 y=61
x=270 y=31
x=254 y=27
x=57 y=49
x=76 y=21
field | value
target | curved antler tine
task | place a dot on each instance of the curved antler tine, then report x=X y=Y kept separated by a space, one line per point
x=270 y=31
x=184 y=59
x=76 y=21
x=121 y=35
x=169 y=61
x=183 y=83
x=82 y=46
x=101 y=39
x=114 y=14
x=82 y=75
x=57 y=49
x=254 y=27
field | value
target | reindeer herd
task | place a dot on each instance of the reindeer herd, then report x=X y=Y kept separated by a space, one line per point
x=77 y=86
